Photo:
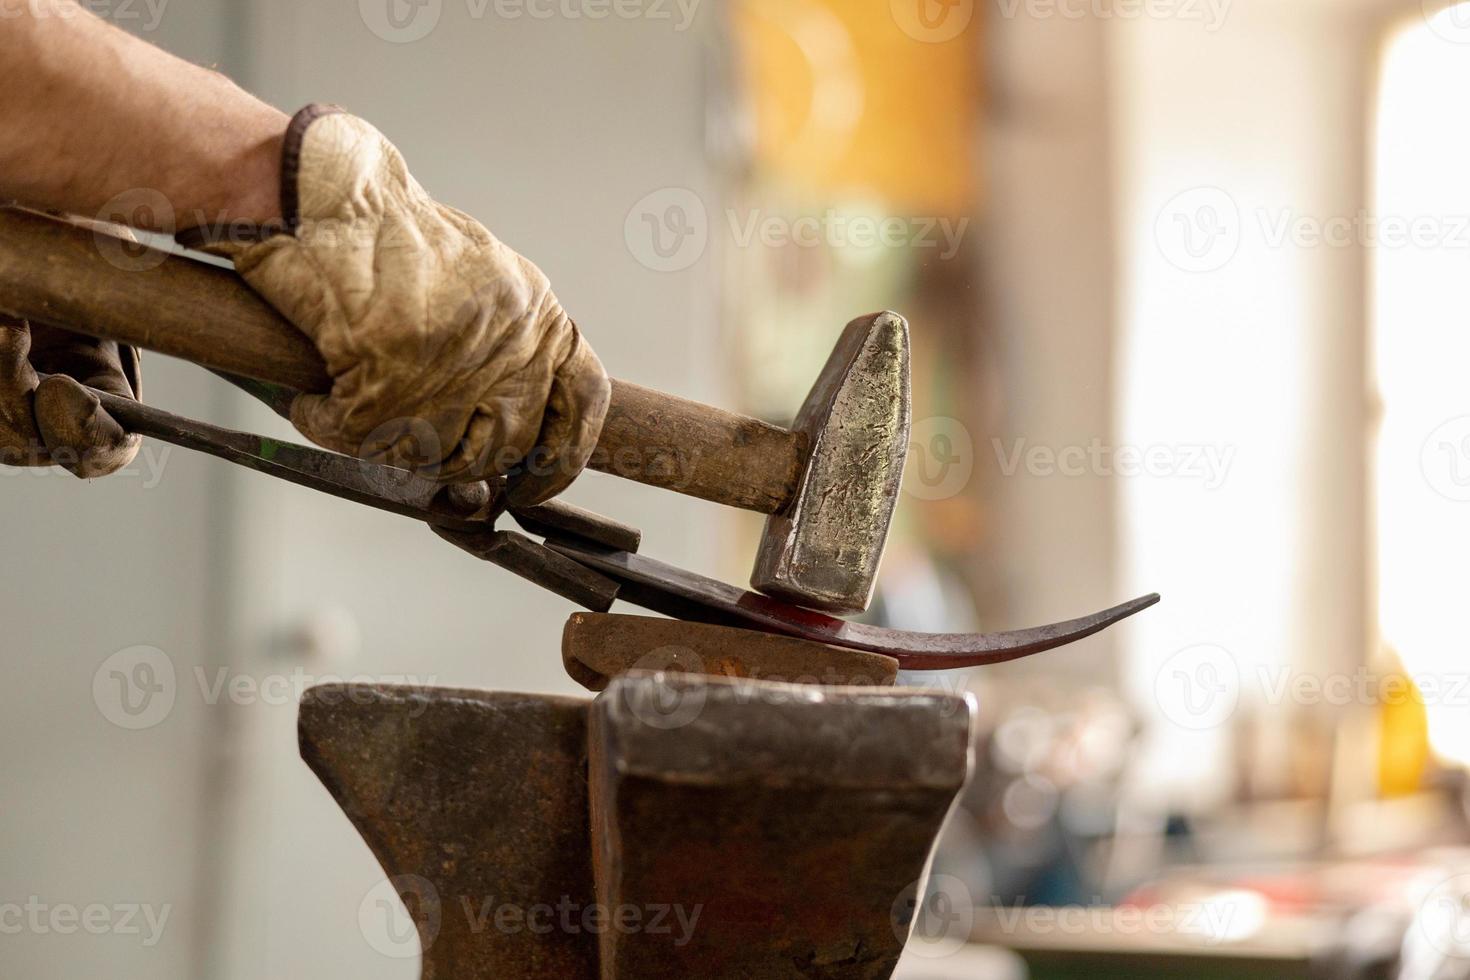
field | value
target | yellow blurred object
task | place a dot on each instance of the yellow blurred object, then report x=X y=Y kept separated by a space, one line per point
x=1403 y=735
x=870 y=99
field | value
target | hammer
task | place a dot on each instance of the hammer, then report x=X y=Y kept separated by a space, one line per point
x=828 y=485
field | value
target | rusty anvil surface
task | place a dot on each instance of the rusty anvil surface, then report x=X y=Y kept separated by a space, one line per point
x=773 y=829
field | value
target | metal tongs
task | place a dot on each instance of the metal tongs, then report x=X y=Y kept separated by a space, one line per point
x=584 y=557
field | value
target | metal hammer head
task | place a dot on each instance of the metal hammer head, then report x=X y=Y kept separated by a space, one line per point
x=823 y=549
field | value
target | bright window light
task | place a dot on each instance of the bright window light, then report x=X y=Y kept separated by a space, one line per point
x=1421 y=359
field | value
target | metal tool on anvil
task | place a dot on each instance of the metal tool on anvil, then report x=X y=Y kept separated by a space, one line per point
x=828 y=484
x=839 y=469
x=585 y=557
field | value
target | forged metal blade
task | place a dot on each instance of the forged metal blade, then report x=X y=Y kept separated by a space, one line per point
x=640 y=580
x=682 y=594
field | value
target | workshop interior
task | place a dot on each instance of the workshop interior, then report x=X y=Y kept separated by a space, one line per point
x=1123 y=332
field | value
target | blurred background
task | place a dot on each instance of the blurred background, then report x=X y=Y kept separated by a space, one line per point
x=1185 y=280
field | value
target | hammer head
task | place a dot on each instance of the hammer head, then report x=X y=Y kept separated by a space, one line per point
x=823 y=550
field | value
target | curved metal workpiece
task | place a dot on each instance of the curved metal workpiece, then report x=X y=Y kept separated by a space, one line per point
x=602 y=565
x=682 y=594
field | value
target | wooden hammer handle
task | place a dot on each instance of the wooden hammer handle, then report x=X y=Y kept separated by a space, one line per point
x=54 y=272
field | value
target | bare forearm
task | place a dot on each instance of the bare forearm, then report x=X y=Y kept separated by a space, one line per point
x=89 y=112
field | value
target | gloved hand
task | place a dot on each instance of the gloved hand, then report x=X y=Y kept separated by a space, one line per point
x=448 y=352
x=56 y=421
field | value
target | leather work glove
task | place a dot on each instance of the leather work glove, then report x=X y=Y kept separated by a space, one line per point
x=56 y=421
x=448 y=352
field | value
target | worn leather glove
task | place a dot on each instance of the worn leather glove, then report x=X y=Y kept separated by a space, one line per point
x=56 y=421
x=448 y=352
